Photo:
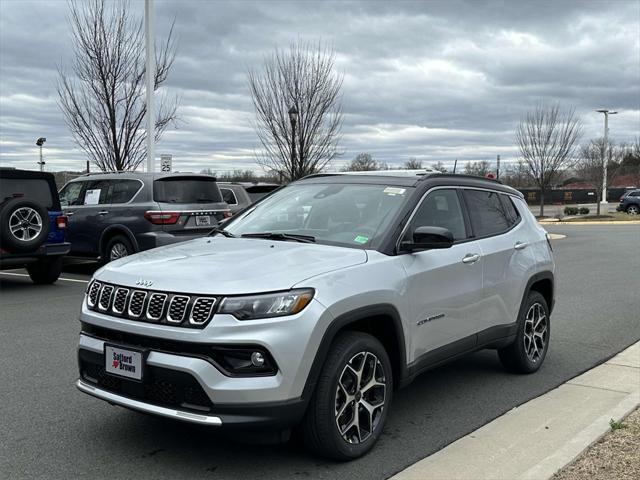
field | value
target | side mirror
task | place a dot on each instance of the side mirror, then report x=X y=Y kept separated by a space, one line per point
x=425 y=238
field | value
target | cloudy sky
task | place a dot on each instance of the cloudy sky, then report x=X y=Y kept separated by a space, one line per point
x=427 y=79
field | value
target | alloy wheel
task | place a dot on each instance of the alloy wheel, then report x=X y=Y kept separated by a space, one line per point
x=360 y=397
x=25 y=224
x=633 y=210
x=118 y=250
x=536 y=332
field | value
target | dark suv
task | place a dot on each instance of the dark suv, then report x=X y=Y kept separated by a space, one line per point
x=239 y=195
x=630 y=202
x=32 y=225
x=113 y=215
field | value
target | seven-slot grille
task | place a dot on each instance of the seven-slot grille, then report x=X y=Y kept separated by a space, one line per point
x=176 y=309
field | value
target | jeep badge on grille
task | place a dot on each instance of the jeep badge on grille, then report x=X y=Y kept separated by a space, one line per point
x=144 y=283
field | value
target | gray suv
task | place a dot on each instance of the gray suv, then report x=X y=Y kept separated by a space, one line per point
x=310 y=308
x=113 y=215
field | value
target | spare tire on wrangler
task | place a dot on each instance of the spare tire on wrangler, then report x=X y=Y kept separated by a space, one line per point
x=24 y=225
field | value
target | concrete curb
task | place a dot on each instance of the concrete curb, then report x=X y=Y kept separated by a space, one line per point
x=538 y=438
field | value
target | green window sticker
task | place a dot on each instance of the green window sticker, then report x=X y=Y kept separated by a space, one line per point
x=361 y=239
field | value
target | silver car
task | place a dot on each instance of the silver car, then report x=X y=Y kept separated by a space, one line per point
x=312 y=307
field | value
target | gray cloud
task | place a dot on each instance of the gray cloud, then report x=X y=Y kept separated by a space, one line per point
x=435 y=80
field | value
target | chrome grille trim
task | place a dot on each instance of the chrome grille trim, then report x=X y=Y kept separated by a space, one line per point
x=201 y=310
x=177 y=311
x=138 y=296
x=105 y=303
x=118 y=300
x=93 y=295
x=154 y=307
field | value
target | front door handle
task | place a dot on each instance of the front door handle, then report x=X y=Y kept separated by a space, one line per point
x=103 y=212
x=520 y=245
x=68 y=214
x=471 y=258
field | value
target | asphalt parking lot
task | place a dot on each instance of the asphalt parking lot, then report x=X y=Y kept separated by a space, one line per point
x=50 y=430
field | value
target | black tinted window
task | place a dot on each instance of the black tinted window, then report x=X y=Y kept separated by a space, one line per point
x=98 y=192
x=186 y=190
x=124 y=190
x=489 y=214
x=228 y=196
x=37 y=190
x=510 y=209
x=441 y=208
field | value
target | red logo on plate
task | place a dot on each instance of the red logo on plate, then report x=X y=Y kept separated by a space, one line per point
x=116 y=363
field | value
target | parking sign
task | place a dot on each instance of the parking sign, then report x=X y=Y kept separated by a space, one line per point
x=165 y=163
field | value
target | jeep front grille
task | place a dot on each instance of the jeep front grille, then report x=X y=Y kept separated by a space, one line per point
x=151 y=306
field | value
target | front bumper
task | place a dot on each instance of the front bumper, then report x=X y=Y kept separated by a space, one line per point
x=620 y=208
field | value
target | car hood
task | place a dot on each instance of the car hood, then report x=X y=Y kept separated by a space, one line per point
x=226 y=266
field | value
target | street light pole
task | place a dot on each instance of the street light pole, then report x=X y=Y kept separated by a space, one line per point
x=293 y=118
x=39 y=143
x=605 y=157
x=150 y=75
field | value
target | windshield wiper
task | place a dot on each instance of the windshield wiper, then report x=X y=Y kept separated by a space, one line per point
x=281 y=236
x=221 y=231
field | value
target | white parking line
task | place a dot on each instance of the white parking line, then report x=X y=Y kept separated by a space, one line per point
x=61 y=278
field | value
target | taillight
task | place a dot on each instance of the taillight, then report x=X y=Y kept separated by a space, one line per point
x=162 y=218
x=227 y=214
x=61 y=221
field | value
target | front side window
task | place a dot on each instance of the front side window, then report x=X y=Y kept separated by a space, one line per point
x=70 y=194
x=98 y=192
x=352 y=215
x=441 y=208
x=489 y=214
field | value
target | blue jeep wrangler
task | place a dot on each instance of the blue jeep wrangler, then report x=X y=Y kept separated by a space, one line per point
x=32 y=225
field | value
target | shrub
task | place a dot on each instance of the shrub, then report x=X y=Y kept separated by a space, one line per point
x=571 y=211
x=584 y=211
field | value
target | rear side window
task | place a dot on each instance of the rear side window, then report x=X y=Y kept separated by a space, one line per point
x=124 y=190
x=186 y=190
x=37 y=190
x=228 y=196
x=490 y=214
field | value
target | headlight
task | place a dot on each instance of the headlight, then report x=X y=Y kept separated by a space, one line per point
x=266 y=306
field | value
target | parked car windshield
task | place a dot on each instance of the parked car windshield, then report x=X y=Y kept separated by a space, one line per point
x=186 y=190
x=352 y=215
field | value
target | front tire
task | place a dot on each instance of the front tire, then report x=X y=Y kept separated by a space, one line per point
x=529 y=349
x=349 y=407
x=45 y=271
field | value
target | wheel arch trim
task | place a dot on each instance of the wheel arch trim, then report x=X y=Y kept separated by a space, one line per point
x=113 y=230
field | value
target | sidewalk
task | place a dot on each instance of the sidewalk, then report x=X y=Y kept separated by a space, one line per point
x=536 y=439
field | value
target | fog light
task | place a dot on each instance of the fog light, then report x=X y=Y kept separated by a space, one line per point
x=257 y=359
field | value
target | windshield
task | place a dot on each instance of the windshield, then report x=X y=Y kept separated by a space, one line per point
x=186 y=190
x=352 y=215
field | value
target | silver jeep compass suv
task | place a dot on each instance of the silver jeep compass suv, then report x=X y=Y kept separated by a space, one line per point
x=313 y=306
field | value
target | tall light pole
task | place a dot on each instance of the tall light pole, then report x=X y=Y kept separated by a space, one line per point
x=150 y=75
x=39 y=143
x=605 y=156
x=293 y=118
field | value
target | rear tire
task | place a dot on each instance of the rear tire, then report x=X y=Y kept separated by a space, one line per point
x=529 y=349
x=330 y=428
x=45 y=271
x=117 y=247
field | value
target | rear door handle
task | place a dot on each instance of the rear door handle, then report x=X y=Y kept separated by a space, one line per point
x=103 y=212
x=68 y=214
x=471 y=258
x=520 y=245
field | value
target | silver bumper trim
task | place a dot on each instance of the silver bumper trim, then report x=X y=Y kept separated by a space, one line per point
x=147 y=407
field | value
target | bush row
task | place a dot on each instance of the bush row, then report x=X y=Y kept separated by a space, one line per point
x=576 y=211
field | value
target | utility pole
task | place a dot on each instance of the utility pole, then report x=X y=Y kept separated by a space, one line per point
x=455 y=164
x=605 y=157
x=150 y=75
x=39 y=143
x=498 y=168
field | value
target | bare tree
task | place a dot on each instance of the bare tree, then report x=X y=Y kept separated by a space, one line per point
x=439 y=166
x=302 y=77
x=547 y=138
x=590 y=166
x=364 y=162
x=413 y=164
x=517 y=175
x=103 y=99
x=479 y=169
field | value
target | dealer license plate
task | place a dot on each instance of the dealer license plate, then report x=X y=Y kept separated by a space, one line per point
x=203 y=221
x=123 y=362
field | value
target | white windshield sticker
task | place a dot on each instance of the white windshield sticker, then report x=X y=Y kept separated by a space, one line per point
x=394 y=191
x=92 y=197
